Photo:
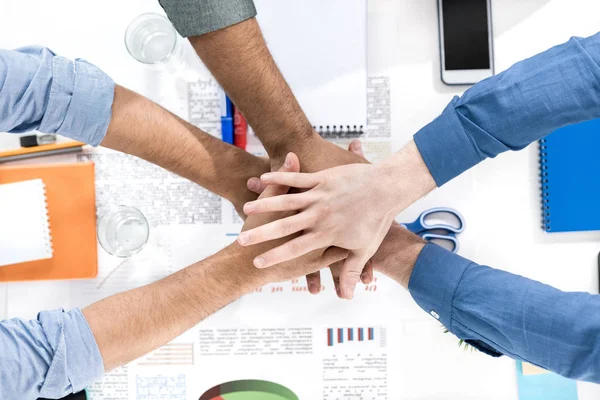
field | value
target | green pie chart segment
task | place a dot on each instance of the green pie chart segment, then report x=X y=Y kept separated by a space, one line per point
x=249 y=390
x=252 y=396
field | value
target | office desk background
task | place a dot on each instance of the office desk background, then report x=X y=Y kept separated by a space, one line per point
x=499 y=198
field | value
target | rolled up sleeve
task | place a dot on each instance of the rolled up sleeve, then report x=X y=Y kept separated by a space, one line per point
x=49 y=357
x=197 y=17
x=42 y=91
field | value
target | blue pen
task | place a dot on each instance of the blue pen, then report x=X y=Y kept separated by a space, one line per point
x=226 y=119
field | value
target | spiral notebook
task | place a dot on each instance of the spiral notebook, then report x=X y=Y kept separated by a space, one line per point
x=570 y=178
x=320 y=47
x=71 y=198
x=24 y=226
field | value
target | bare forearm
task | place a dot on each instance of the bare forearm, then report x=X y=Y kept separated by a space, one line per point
x=404 y=178
x=144 y=129
x=131 y=324
x=239 y=59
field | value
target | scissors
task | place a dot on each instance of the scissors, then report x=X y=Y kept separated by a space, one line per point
x=434 y=229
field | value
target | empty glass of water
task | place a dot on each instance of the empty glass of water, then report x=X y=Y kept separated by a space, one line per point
x=151 y=39
x=123 y=231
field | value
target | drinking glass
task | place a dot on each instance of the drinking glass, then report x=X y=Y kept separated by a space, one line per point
x=123 y=231
x=151 y=39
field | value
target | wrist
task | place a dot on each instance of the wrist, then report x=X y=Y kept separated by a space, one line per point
x=406 y=176
x=233 y=265
x=228 y=172
x=398 y=254
x=301 y=141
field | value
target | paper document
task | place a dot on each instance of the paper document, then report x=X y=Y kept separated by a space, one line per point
x=24 y=224
x=321 y=49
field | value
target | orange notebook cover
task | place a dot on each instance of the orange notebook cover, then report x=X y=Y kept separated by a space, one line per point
x=71 y=195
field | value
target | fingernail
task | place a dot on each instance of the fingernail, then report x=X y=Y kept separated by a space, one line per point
x=357 y=145
x=248 y=208
x=253 y=184
x=243 y=239
x=288 y=161
x=350 y=292
x=313 y=288
x=363 y=277
x=259 y=262
x=265 y=177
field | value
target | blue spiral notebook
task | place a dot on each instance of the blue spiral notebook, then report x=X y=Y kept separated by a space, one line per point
x=570 y=178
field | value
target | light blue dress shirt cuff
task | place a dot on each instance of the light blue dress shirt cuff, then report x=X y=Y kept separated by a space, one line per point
x=42 y=91
x=77 y=362
x=49 y=357
x=80 y=101
x=434 y=280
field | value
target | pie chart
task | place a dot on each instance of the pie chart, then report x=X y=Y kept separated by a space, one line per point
x=249 y=390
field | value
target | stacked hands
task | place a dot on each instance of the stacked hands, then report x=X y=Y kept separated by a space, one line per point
x=326 y=218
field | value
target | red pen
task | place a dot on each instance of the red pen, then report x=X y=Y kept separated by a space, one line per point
x=240 y=129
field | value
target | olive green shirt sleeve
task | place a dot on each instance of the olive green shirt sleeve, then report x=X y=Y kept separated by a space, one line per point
x=197 y=17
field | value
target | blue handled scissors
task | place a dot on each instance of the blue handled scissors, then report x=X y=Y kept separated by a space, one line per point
x=429 y=228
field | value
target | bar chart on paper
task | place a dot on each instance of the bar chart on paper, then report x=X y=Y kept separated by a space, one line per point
x=356 y=337
x=355 y=363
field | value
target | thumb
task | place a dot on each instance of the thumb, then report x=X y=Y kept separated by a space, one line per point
x=350 y=274
x=255 y=185
x=356 y=148
x=333 y=255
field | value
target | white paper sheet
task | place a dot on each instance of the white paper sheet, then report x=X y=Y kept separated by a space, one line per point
x=321 y=49
x=24 y=223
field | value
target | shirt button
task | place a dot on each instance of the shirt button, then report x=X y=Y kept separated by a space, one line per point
x=434 y=314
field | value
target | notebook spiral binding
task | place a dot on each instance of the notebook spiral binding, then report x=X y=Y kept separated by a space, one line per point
x=546 y=221
x=46 y=227
x=337 y=131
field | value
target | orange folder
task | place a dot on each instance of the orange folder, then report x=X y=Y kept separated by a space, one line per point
x=71 y=195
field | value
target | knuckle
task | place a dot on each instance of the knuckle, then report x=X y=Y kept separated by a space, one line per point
x=319 y=236
x=325 y=176
x=352 y=276
x=293 y=248
x=313 y=218
x=285 y=228
x=323 y=211
x=290 y=203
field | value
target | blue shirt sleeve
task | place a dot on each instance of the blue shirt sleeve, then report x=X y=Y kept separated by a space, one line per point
x=42 y=91
x=530 y=100
x=50 y=357
x=504 y=314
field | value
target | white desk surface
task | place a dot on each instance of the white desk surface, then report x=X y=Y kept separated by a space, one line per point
x=498 y=198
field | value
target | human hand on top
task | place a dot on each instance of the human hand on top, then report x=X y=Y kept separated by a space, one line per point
x=313 y=280
x=350 y=206
x=310 y=262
